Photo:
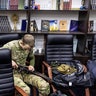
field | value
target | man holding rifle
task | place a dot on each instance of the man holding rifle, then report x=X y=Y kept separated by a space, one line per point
x=20 y=50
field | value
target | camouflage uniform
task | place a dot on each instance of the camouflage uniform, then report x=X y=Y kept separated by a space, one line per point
x=19 y=56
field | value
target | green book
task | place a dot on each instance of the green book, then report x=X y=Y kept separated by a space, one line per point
x=20 y=4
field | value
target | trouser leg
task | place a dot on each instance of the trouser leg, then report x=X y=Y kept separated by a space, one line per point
x=20 y=83
x=38 y=82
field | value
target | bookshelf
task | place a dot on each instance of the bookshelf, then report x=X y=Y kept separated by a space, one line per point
x=53 y=11
x=31 y=12
x=42 y=11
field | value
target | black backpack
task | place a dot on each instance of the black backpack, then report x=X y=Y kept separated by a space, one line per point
x=77 y=78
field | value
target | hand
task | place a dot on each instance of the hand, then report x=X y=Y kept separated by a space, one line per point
x=14 y=65
x=85 y=69
x=31 y=68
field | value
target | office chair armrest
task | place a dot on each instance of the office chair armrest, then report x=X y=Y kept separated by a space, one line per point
x=46 y=64
x=20 y=91
x=49 y=69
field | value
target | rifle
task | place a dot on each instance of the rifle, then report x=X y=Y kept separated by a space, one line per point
x=22 y=68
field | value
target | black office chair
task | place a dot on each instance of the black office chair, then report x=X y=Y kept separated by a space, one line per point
x=4 y=38
x=93 y=47
x=7 y=87
x=58 y=48
x=91 y=66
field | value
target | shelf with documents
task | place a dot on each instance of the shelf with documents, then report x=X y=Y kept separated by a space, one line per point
x=27 y=17
x=38 y=11
x=39 y=15
x=17 y=15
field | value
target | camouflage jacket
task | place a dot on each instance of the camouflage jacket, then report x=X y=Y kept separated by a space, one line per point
x=18 y=54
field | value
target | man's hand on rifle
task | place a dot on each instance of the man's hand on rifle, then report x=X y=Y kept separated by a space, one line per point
x=14 y=65
x=31 y=68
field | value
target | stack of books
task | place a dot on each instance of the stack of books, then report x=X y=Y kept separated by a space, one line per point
x=4 y=4
x=93 y=4
x=45 y=4
x=13 y=4
x=65 y=4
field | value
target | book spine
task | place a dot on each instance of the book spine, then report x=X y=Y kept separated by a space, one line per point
x=64 y=5
x=26 y=4
x=61 y=5
x=91 y=26
x=32 y=4
x=75 y=42
x=0 y=4
x=13 y=4
x=69 y=4
x=24 y=25
x=21 y=4
x=7 y=4
x=57 y=4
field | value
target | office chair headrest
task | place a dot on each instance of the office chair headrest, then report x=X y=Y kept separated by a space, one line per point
x=59 y=39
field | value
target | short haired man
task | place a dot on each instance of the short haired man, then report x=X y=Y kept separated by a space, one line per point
x=20 y=50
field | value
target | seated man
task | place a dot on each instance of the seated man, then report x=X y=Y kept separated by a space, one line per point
x=20 y=50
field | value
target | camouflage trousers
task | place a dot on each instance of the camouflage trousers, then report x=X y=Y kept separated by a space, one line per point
x=42 y=86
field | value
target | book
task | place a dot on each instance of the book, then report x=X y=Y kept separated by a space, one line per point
x=74 y=25
x=81 y=26
x=94 y=26
x=81 y=45
x=44 y=4
x=24 y=25
x=53 y=25
x=88 y=46
x=20 y=4
x=76 y=4
x=54 y=4
x=63 y=25
x=57 y=4
x=67 y=4
x=4 y=4
x=44 y=25
x=61 y=5
x=33 y=26
x=75 y=42
x=90 y=26
x=26 y=4
x=13 y=4
x=93 y=4
x=32 y=4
